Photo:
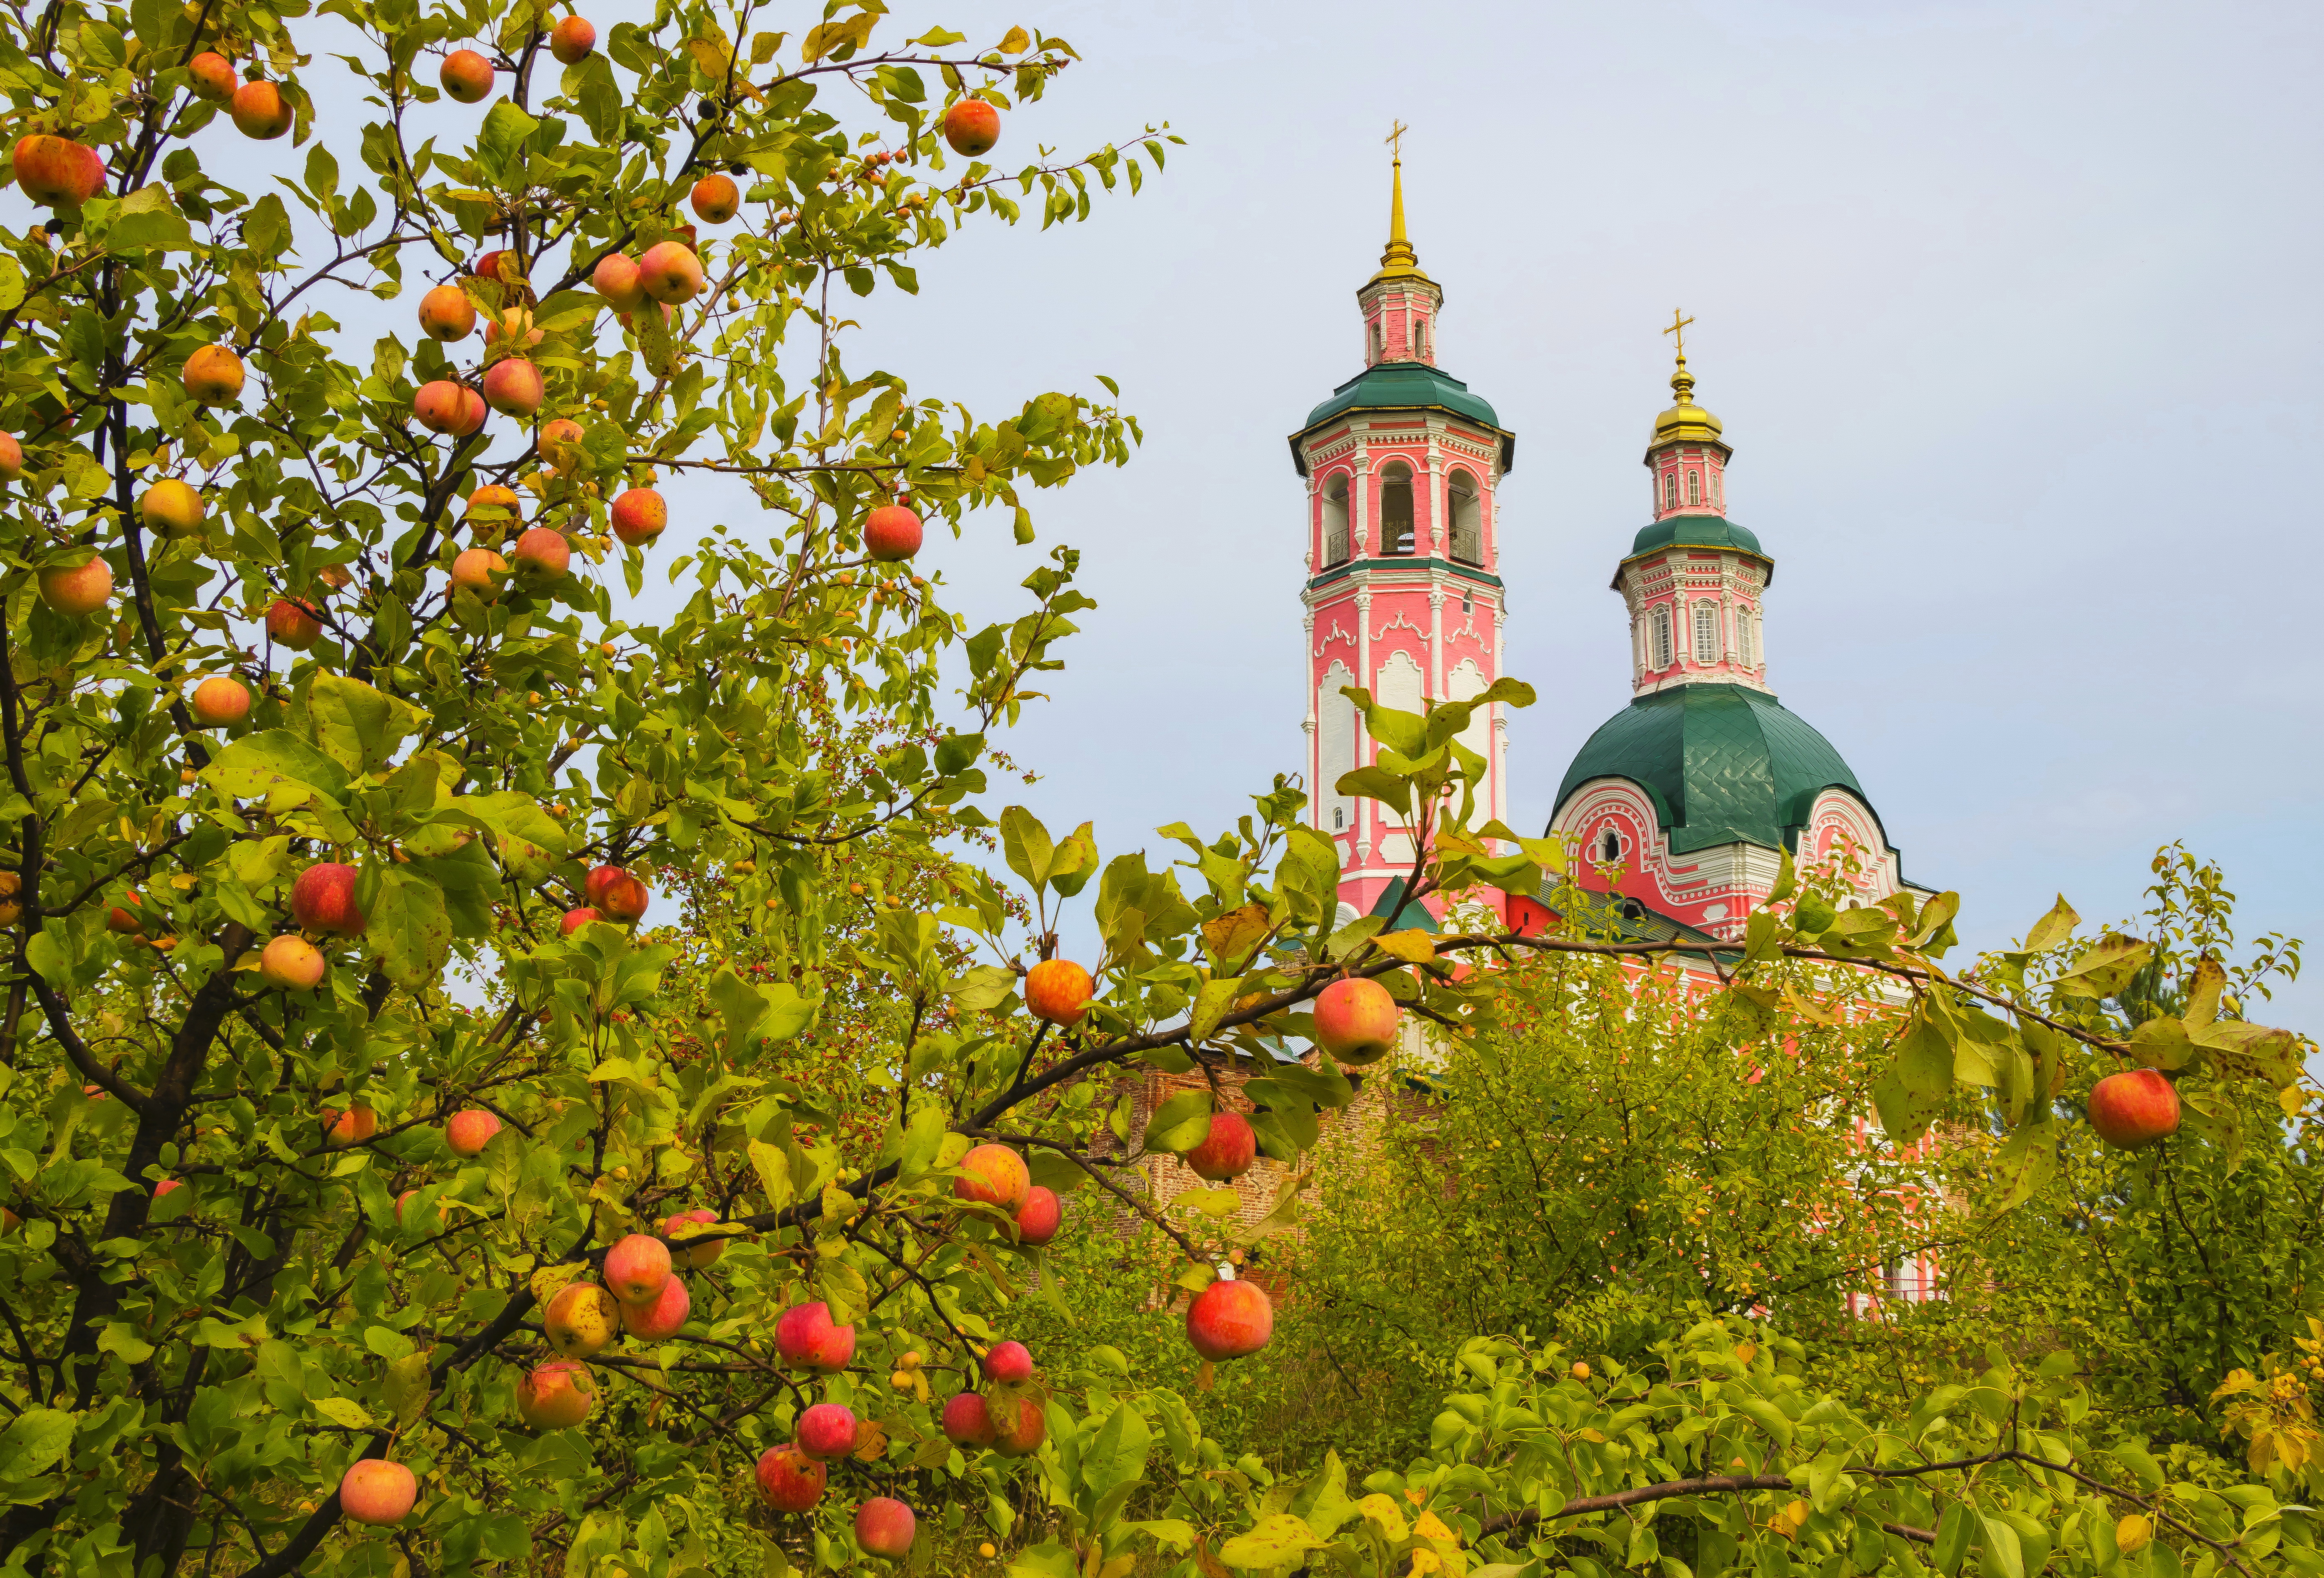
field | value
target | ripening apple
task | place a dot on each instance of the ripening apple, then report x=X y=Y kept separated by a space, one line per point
x=12 y=457
x=1227 y=1151
x=1356 y=1020
x=77 y=591
x=638 y=516
x=487 y=265
x=291 y=964
x=541 y=555
x=58 y=170
x=693 y=1257
x=377 y=1492
x=212 y=375
x=512 y=327
x=891 y=533
x=669 y=272
x=466 y=76
x=1019 y=1425
x=624 y=901
x=967 y=1422
x=827 y=1431
x=260 y=111
x=715 y=198
x=470 y=1130
x=405 y=1218
x=1039 y=1220
x=1058 y=991
x=2133 y=1108
x=789 y=1479
x=618 y=281
x=219 y=702
x=661 y=1318
x=294 y=624
x=213 y=76
x=572 y=40
x=480 y=570
x=352 y=1127
x=514 y=387
x=575 y=919
x=1229 y=1319
x=560 y=442
x=972 y=126
x=636 y=1267
x=583 y=1319
x=1008 y=1364
x=446 y=314
x=443 y=406
x=556 y=1396
x=323 y=899
x=885 y=1526
x=170 y=507
x=124 y=922
x=805 y=1338
x=995 y=1176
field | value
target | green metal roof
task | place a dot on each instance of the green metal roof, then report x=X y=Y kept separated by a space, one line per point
x=1405 y=386
x=1617 y=917
x=1723 y=764
x=1400 y=915
x=1695 y=531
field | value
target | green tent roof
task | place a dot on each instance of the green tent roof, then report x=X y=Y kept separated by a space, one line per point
x=1722 y=764
x=1405 y=386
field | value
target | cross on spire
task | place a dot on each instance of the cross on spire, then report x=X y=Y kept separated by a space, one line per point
x=1394 y=140
x=1677 y=330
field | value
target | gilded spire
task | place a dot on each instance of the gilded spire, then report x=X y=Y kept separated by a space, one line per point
x=1684 y=419
x=1400 y=262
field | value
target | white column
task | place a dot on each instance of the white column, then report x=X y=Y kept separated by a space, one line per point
x=1367 y=811
x=1314 y=736
x=1436 y=642
x=1360 y=504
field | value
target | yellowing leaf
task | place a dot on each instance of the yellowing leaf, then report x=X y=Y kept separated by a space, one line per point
x=1413 y=946
x=1385 y=1516
x=342 y=1411
x=1015 y=42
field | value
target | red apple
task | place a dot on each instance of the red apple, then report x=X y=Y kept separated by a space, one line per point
x=470 y=1130
x=967 y=1422
x=885 y=1526
x=692 y=1258
x=1356 y=1020
x=352 y=1127
x=1229 y=1319
x=260 y=111
x=972 y=126
x=294 y=624
x=1227 y=1151
x=213 y=76
x=581 y=1320
x=514 y=387
x=556 y=1396
x=124 y=922
x=996 y=1176
x=1018 y=1426
x=575 y=919
x=891 y=533
x=560 y=443
x=323 y=899
x=541 y=555
x=446 y=314
x=2133 y=1108
x=377 y=1492
x=827 y=1431
x=487 y=265
x=402 y=1206
x=669 y=272
x=572 y=40
x=77 y=591
x=1058 y=991
x=1008 y=1364
x=625 y=900
x=219 y=702
x=291 y=964
x=600 y=880
x=58 y=170
x=466 y=76
x=1038 y=1222
x=446 y=407
x=636 y=1267
x=480 y=570
x=805 y=1338
x=661 y=1318
x=12 y=457
x=789 y=1479
x=170 y=507
x=617 y=280
x=638 y=516
x=715 y=198
x=212 y=375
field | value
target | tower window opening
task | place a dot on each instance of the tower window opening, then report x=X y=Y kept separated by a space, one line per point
x=1706 y=632
x=1468 y=522
x=1612 y=848
x=1693 y=487
x=1743 y=638
x=1339 y=818
x=1420 y=337
x=1662 y=626
x=1670 y=490
x=1718 y=494
x=1335 y=520
x=1396 y=508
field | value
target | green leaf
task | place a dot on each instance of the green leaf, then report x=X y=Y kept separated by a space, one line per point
x=1116 y=1456
x=1180 y=1124
x=503 y=133
x=1998 y=1542
x=358 y=727
x=34 y=1442
x=1074 y=862
x=1377 y=784
x=774 y=1174
x=1026 y=846
x=2105 y=967
x=1210 y=1005
x=409 y=929
x=147 y=221
x=342 y=1411
x=1953 y=1529
x=255 y=766
x=2054 y=927
x=2023 y=1165
x=2163 y=1043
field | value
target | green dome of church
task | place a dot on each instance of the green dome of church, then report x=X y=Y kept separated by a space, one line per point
x=1695 y=531
x=1406 y=386
x=1723 y=764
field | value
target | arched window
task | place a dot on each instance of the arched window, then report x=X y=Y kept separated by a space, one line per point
x=1376 y=343
x=1717 y=493
x=1743 y=633
x=1468 y=527
x=1420 y=339
x=1662 y=627
x=1396 y=508
x=1335 y=520
x=1693 y=487
x=1610 y=848
x=1706 y=632
x=1670 y=490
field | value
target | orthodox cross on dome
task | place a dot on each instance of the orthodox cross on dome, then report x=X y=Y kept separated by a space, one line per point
x=1394 y=140
x=1682 y=381
x=1678 y=320
x=1399 y=261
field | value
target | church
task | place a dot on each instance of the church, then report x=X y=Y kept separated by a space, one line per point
x=1679 y=807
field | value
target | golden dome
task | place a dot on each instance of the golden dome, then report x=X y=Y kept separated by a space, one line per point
x=1685 y=421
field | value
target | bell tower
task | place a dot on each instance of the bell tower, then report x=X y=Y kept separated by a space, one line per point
x=1403 y=595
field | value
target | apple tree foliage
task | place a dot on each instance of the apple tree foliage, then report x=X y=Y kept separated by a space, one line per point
x=188 y=1372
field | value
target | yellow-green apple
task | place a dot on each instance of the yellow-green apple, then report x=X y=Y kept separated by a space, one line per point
x=512 y=329
x=1018 y=1428
x=170 y=507
x=636 y=1267
x=638 y=516
x=466 y=76
x=669 y=272
x=492 y=508
x=352 y=1127
x=661 y=1318
x=213 y=76
x=967 y=1422
x=715 y=198
x=480 y=570
x=805 y=1338
x=1227 y=1151
x=827 y=1430
x=1008 y=1364
x=470 y=1130
x=572 y=40
x=1356 y=1020
x=2133 y=1108
x=541 y=555
x=617 y=279
x=514 y=387
x=260 y=111
x=294 y=624
x=693 y=1257
x=789 y=1479
x=58 y=170
x=575 y=919
x=212 y=375
x=1038 y=1222
x=291 y=964
x=560 y=442
x=446 y=314
x=1229 y=1319
x=885 y=1526
x=377 y=1492
x=444 y=406
x=556 y=1396
x=323 y=899
x=993 y=1174
x=891 y=533
x=972 y=126
x=77 y=590
x=12 y=457
x=219 y=702
x=1058 y=991
x=583 y=1319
